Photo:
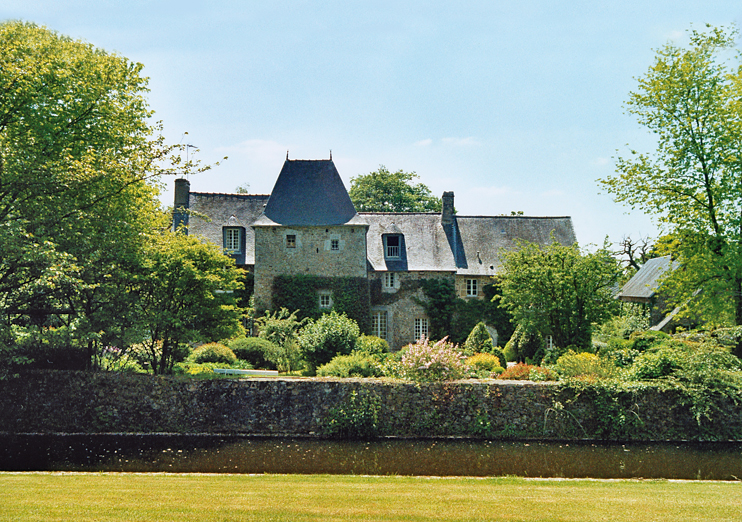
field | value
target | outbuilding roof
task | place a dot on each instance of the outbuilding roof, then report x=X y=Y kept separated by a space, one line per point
x=643 y=286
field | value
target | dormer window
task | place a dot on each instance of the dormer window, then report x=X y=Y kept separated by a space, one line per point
x=392 y=246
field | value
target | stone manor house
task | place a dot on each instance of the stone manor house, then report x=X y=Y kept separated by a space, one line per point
x=309 y=226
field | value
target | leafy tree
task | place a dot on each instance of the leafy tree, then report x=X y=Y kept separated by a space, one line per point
x=384 y=191
x=185 y=295
x=559 y=291
x=691 y=99
x=79 y=167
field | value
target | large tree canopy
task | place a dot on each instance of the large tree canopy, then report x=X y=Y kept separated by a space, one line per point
x=79 y=171
x=384 y=191
x=557 y=290
x=691 y=99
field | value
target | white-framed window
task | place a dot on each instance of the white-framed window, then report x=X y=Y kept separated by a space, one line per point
x=290 y=240
x=325 y=299
x=471 y=288
x=390 y=280
x=232 y=240
x=334 y=244
x=379 y=324
x=392 y=246
x=422 y=328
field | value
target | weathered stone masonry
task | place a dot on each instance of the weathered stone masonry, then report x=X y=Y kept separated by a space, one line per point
x=77 y=402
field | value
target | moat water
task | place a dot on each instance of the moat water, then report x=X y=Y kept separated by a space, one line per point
x=438 y=457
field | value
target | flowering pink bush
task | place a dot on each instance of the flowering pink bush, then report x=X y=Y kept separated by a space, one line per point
x=441 y=361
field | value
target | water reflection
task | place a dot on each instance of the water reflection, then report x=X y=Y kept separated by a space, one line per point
x=243 y=454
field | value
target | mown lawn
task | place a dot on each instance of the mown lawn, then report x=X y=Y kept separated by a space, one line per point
x=176 y=497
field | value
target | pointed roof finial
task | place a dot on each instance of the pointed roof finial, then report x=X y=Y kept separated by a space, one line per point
x=330 y=154
x=287 y=155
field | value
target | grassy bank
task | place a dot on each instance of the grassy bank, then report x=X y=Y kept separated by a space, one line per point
x=153 y=497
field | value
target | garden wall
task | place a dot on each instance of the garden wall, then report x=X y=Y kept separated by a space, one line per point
x=79 y=402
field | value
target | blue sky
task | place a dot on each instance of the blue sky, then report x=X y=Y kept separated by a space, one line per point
x=515 y=106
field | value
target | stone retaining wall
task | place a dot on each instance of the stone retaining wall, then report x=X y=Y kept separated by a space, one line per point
x=78 y=402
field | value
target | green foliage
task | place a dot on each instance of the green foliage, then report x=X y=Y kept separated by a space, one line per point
x=642 y=341
x=425 y=362
x=286 y=357
x=79 y=168
x=213 y=353
x=384 y=191
x=330 y=335
x=558 y=290
x=183 y=296
x=357 y=418
x=585 y=365
x=524 y=344
x=632 y=318
x=350 y=296
x=354 y=365
x=371 y=345
x=478 y=341
x=254 y=350
x=280 y=327
x=692 y=182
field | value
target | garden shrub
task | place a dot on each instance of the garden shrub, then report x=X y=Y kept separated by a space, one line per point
x=642 y=341
x=213 y=353
x=633 y=318
x=658 y=363
x=584 y=364
x=353 y=365
x=254 y=350
x=286 y=357
x=484 y=361
x=478 y=341
x=371 y=345
x=424 y=362
x=523 y=372
x=525 y=343
x=330 y=335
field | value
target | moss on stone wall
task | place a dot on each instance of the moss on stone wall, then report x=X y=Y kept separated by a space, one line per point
x=81 y=402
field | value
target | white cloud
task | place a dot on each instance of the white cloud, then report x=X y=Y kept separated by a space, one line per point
x=461 y=142
x=424 y=143
x=601 y=161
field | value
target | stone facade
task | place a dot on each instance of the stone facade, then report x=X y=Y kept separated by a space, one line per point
x=308 y=226
x=332 y=251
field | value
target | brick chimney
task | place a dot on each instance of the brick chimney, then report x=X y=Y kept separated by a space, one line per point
x=447 y=213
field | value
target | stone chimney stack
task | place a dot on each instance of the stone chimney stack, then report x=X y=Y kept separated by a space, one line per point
x=447 y=214
x=181 y=203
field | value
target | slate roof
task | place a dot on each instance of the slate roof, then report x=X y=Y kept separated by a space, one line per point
x=307 y=193
x=643 y=286
x=226 y=210
x=471 y=246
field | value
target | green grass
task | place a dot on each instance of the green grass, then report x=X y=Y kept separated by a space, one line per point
x=296 y=498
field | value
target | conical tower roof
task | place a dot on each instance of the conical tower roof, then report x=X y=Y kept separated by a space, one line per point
x=309 y=192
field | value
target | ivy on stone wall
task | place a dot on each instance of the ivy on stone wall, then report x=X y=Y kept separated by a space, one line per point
x=350 y=295
x=455 y=317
